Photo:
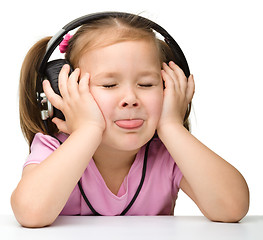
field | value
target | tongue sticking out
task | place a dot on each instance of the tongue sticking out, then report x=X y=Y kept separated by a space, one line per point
x=129 y=124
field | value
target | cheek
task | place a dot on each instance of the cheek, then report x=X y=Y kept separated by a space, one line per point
x=104 y=101
x=155 y=105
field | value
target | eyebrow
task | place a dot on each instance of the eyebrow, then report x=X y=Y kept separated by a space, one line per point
x=117 y=74
x=150 y=73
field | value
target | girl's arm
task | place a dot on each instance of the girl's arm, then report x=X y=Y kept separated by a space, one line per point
x=217 y=188
x=45 y=188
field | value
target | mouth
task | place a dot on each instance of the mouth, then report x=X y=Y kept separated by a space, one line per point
x=129 y=123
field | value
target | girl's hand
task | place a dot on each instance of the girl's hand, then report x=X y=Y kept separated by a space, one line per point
x=76 y=102
x=178 y=94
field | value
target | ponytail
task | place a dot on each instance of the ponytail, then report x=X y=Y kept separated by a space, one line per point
x=29 y=113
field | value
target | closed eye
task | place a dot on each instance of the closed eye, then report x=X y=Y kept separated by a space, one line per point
x=109 y=85
x=145 y=85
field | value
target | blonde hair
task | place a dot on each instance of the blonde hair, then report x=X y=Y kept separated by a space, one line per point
x=96 y=34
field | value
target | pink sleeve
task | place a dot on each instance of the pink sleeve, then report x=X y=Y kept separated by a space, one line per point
x=41 y=147
x=173 y=171
x=176 y=177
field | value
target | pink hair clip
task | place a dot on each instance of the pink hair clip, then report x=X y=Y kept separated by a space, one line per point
x=64 y=44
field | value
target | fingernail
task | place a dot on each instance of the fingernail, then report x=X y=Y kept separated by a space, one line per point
x=45 y=81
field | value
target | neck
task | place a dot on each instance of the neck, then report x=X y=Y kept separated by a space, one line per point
x=114 y=160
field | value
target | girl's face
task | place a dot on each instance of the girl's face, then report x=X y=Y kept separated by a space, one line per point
x=126 y=83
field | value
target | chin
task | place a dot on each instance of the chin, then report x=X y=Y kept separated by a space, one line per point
x=131 y=143
x=128 y=143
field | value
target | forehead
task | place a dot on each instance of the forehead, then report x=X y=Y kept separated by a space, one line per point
x=121 y=56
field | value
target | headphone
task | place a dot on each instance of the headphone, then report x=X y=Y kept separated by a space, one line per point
x=50 y=69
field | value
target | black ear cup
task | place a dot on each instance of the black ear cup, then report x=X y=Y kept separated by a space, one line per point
x=51 y=73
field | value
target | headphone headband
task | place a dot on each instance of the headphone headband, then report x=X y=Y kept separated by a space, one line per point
x=58 y=37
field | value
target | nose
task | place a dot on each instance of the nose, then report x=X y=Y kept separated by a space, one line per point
x=130 y=99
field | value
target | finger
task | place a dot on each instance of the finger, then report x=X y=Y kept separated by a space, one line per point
x=170 y=71
x=177 y=69
x=54 y=98
x=61 y=125
x=84 y=83
x=168 y=81
x=170 y=76
x=180 y=74
x=190 y=88
x=73 y=83
x=63 y=80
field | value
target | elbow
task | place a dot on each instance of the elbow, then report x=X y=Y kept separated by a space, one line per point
x=237 y=213
x=237 y=207
x=30 y=216
x=34 y=220
x=230 y=217
x=231 y=212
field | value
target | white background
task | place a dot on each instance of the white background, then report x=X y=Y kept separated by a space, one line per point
x=222 y=41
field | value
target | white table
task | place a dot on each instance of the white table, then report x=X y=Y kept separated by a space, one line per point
x=127 y=227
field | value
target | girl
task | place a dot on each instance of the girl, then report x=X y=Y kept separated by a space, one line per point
x=123 y=107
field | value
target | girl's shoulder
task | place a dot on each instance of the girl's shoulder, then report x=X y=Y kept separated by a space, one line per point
x=160 y=160
x=43 y=139
x=43 y=145
x=157 y=148
x=159 y=153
